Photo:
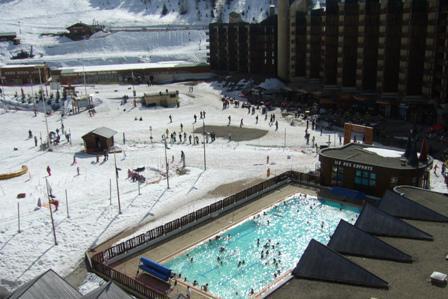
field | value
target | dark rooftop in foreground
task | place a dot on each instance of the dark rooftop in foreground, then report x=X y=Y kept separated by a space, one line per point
x=47 y=285
x=358 y=153
x=405 y=280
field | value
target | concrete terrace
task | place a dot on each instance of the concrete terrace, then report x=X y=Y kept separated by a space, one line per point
x=406 y=280
x=178 y=244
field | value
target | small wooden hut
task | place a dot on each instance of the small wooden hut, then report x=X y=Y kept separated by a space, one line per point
x=99 y=140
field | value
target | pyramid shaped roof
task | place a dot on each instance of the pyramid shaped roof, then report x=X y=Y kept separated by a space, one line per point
x=380 y=223
x=348 y=239
x=319 y=262
x=47 y=285
x=402 y=207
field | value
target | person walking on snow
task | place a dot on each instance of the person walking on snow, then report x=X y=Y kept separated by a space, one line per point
x=35 y=141
x=276 y=125
x=195 y=118
x=230 y=119
x=241 y=123
x=171 y=119
x=256 y=119
x=49 y=170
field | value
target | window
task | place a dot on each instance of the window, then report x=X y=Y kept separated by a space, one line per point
x=337 y=175
x=365 y=178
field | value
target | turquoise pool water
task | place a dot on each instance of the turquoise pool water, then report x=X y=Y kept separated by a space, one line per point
x=235 y=262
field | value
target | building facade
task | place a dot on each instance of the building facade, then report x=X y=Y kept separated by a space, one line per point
x=23 y=74
x=395 y=50
x=370 y=170
x=244 y=48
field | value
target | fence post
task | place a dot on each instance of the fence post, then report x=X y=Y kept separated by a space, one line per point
x=18 y=218
x=66 y=202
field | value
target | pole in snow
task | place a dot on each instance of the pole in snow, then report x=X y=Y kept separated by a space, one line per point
x=18 y=217
x=118 y=189
x=166 y=165
x=203 y=134
x=110 y=191
x=51 y=213
x=66 y=203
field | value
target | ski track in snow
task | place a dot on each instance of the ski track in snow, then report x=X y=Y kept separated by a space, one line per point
x=30 y=18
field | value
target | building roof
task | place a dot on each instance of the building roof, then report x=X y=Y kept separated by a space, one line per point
x=107 y=291
x=47 y=285
x=6 y=34
x=377 y=222
x=78 y=24
x=370 y=155
x=18 y=66
x=103 y=132
x=399 y=205
x=319 y=262
x=350 y=240
x=406 y=280
x=126 y=67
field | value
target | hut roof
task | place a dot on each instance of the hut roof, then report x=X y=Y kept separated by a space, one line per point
x=103 y=132
x=348 y=239
x=380 y=223
x=400 y=206
x=107 y=291
x=47 y=285
x=319 y=262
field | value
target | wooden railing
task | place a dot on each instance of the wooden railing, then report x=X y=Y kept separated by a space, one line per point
x=99 y=262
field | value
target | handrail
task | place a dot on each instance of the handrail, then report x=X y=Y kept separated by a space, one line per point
x=100 y=260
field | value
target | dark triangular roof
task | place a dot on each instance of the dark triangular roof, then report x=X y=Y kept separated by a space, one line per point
x=350 y=240
x=107 y=291
x=402 y=207
x=103 y=132
x=47 y=285
x=377 y=222
x=319 y=262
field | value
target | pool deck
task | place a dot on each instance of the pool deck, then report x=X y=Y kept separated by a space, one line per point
x=172 y=247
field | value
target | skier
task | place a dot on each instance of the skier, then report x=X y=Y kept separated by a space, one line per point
x=49 y=170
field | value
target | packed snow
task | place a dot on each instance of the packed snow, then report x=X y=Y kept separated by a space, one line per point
x=383 y=152
x=93 y=213
x=30 y=18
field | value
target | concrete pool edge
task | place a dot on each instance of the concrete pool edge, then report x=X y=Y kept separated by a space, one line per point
x=98 y=259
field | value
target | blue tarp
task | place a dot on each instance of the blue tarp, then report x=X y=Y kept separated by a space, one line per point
x=348 y=193
x=154 y=268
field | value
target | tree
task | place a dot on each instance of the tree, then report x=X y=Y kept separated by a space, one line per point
x=164 y=10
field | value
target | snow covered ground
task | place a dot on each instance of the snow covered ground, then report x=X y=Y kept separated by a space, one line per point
x=93 y=217
x=30 y=18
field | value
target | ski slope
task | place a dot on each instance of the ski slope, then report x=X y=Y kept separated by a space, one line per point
x=30 y=18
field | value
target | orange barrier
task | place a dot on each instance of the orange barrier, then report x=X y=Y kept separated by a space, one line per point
x=7 y=176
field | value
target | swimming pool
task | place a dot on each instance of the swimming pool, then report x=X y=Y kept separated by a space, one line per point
x=251 y=255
